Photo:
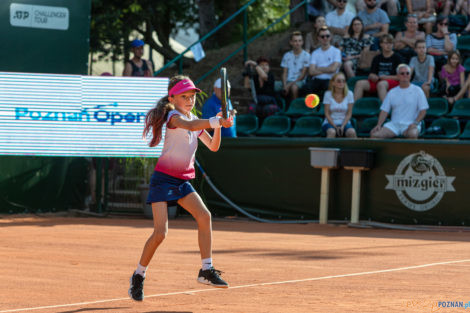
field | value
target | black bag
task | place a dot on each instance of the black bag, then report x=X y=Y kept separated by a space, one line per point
x=435 y=130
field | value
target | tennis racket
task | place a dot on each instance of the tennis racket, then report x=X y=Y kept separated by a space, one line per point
x=224 y=88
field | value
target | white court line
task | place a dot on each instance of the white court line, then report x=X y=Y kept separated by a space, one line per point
x=242 y=286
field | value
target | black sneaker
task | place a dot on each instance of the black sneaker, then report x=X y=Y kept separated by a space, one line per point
x=211 y=277
x=136 y=290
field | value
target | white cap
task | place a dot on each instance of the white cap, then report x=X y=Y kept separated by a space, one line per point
x=217 y=83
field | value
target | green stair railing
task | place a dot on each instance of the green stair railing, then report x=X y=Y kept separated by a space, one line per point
x=245 y=44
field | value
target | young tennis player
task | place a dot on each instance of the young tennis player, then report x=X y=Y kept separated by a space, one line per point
x=174 y=169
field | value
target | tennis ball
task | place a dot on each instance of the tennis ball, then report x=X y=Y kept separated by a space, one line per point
x=312 y=100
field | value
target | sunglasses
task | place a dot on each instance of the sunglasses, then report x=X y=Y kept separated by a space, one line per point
x=445 y=24
x=404 y=73
x=324 y=36
x=342 y=1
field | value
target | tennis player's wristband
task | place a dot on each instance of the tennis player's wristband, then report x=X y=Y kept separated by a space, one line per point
x=215 y=122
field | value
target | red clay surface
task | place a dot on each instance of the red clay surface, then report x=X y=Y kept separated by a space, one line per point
x=66 y=264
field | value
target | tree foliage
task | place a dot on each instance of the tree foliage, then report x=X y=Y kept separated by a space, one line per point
x=262 y=13
x=113 y=22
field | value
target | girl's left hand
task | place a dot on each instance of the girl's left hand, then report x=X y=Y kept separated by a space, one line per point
x=227 y=123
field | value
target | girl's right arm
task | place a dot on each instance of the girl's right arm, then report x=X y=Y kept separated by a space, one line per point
x=213 y=143
x=177 y=121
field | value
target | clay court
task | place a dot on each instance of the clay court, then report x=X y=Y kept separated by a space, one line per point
x=70 y=264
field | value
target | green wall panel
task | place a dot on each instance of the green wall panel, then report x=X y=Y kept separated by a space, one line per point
x=274 y=175
x=37 y=50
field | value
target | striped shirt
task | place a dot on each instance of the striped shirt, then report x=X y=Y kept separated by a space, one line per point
x=438 y=43
x=179 y=149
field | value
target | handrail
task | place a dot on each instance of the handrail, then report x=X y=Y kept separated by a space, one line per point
x=304 y=2
x=243 y=8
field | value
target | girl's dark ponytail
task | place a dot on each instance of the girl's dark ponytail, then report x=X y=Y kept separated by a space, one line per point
x=155 y=119
x=157 y=116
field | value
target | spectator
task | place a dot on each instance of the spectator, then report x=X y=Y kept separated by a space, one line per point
x=338 y=21
x=382 y=75
x=466 y=30
x=338 y=102
x=443 y=7
x=408 y=105
x=440 y=43
x=212 y=106
x=138 y=66
x=423 y=10
x=354 y=44
x=324 y=62
x=376 y=21
x=465 y=88
x=422 y=66
x=461 y=7
x=405 y=40
x=265 y=103
x=311 y=39
x=320 y=7
x=389 y=6
x=453 y=76
x=295 y=65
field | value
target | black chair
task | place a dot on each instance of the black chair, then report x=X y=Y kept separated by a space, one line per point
x=298 y=108
x=307 y=126
x=461 y=108
x=365 y=126
x=275 y=125
x=366 y=106
x=247 y=124
x=466 y=132
x=443 y=128
x=437 y=107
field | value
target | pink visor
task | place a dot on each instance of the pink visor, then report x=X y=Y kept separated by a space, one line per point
x=183 y=86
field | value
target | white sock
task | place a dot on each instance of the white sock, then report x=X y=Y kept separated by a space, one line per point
x=206 y=264
x=141 y=270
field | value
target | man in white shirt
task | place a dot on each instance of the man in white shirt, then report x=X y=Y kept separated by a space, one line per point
x=338 y=20
x=324 y=62
x=408 y=105
x=295 y=64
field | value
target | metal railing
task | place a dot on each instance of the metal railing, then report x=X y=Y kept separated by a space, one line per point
x=246 y=43
x=209 y=34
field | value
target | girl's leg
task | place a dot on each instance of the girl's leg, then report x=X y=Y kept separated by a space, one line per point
x=194 y=205
x=160 y=230
x=348 y=68
x=361 y=86
x=462 y=90
x=426 y=89
x=382 y=88
x=330 y=133
x=294 y=89
x=351 y=133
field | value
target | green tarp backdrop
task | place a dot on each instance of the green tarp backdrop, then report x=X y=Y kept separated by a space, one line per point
x=43 y=36
x=412 y=182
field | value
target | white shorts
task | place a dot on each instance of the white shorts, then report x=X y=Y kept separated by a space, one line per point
x=399 y=128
